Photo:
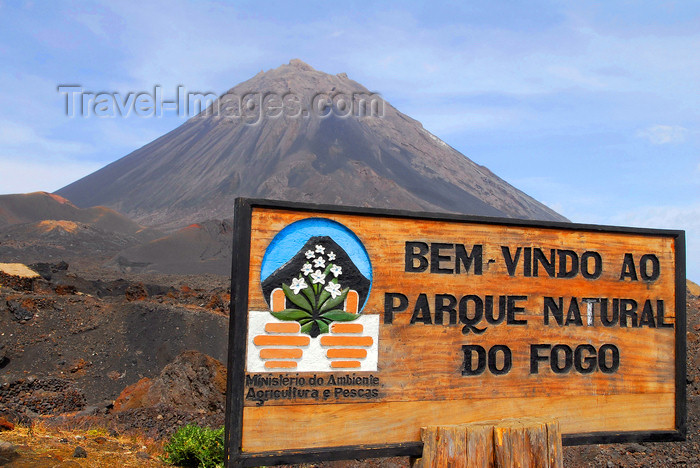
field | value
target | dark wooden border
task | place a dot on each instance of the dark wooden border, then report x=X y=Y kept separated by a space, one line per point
x=238 y=325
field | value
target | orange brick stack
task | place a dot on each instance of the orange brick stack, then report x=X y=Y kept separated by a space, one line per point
x=346 y=345
x=281 y=334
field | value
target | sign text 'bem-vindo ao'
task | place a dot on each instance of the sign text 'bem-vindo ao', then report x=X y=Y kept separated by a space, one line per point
x=352 y=328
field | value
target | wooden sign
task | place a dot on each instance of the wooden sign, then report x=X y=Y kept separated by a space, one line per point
x=353 y=328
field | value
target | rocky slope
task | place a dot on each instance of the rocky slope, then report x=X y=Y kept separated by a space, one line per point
x=199 y=248
x=40 y=226
x=102 y=334
x=287 y=150
x=35 y=207
x=69 y=342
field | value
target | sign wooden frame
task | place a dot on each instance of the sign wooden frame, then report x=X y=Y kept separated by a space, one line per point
x=238 y=331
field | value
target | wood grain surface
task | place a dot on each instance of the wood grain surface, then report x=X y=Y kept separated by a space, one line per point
x=420 y=367
x=268 y=428
x=523 y=443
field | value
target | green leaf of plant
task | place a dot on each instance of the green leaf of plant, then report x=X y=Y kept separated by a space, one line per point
x=297 y=299
x=291 y=314
x=309 y=293
x=335 y=302
x=322 y=326
x=338 y=315
x=323 y=297
x=307 y=327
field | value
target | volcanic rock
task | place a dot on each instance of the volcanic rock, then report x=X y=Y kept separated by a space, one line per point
x=79 y=452
x=13 y=416
x=103 y=342
x=17 y=276
x=47 y=270
x=8 y=452
x=41 y=396
x=133 y=396
x=19 y=312
x=193 y=382
x=6 y=425
x=693 y=288
x=3 y=356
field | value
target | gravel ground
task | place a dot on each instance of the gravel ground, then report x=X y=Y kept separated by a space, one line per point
x=74 y=341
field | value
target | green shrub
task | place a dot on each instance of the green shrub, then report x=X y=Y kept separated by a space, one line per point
x=195 y=446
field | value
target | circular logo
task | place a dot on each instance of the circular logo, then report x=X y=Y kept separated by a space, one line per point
x=315 y=272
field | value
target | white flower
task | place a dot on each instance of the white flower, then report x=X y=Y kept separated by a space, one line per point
x=318 y=277
x=331 y=256
x=320 y=249
x=334 y=289
x=336 y=270
x=306 y=269
x=310 y=254
x=297 y=285
x=320 y=262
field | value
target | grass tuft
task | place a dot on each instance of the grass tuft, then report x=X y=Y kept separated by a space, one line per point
x=197 y=447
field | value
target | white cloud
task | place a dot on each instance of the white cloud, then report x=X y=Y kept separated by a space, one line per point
x=663 y=134
x=216 y=45
x=571 y=55
x=664 y=217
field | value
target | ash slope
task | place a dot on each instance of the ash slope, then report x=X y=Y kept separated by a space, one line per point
x=41 y=206
x=197 y=170
x=36 y=227
x=196 y=249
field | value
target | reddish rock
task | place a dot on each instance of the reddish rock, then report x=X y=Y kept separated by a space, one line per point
x=65 y=290
x=136 y=292
x=192 y=382
x=79 y=366
x=133 y=396
x=186 y=291
x=6 y=425
x=220 y=302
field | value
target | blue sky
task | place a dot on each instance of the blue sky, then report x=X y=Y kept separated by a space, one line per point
x=591 y=108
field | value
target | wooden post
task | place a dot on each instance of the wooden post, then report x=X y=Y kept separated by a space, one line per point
x=480 y=445
x=526 y=443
